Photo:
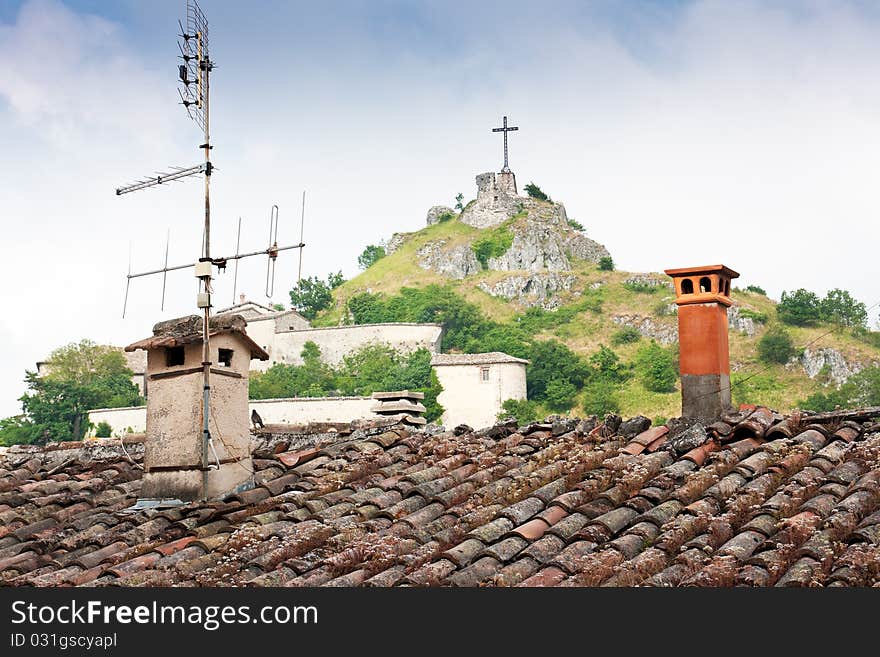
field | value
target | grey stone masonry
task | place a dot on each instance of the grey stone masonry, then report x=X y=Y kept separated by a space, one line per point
x=496 y=200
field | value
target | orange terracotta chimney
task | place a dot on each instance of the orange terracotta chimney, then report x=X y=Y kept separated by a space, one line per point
x=703 y=296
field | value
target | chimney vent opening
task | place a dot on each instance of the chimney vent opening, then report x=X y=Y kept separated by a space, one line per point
x=687 y=286
x=224 y=357
x=174 y=356
x=705 y=284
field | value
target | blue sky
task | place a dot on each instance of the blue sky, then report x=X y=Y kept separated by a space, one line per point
x=678 y=133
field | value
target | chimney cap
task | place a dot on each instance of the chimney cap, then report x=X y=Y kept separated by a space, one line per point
x=704 y=269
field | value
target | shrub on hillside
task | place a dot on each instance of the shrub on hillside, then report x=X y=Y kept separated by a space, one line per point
x=606 y=263
x=626 y=335
x=577 y=225
x=862 y=389
x=757 y=289
x=776 y=346
x=656 y=368
x=535 y=192
x=600 y=398
x=492 y=244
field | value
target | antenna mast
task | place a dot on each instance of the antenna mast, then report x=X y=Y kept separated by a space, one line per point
x=194 y=74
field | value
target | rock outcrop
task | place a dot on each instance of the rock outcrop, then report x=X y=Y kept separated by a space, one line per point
x=536 y=290
x=839 y=368
x=739 y=323
x=436 y=212
x=536 y=247
x=395 y=242
x=581 y=247
x=662 y=332
x=542 y=248
x=455 y=261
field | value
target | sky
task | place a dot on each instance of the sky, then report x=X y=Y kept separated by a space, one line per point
x=678 y=133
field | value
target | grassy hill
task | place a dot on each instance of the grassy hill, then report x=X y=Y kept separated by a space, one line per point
x=584 y=321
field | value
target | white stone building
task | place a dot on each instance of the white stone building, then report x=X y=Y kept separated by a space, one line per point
x=476 y=385
x=283 y=334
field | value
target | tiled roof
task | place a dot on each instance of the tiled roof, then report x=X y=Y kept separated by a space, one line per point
x=488 y=358
x=759 y=500
x=188 y=330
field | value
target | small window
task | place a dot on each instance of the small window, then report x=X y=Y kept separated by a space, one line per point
x=727 y=287
x=705 y=284
x=484 y=374
x=224 y=356
x=687 y=286
x=174 y=356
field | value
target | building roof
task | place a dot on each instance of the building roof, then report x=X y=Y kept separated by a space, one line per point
x=248 y=305
x=188 y=330
x=489 y=358
x=757 y=500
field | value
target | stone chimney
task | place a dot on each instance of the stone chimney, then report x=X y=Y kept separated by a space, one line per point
x=174 y=458
x=703 y=297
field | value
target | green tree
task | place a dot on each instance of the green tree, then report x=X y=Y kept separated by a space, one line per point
x=757 y=289
x=312 y=295
x=311 y=379
x=559 y=395
x=776 y=346
x=576 y=225
x=839 y=307
x=605 y=365
x=535 y=192
x=19 y=430
x=550 y=361
x=459 y=202
x=278 y=306
x=80 y=376
x=524 y=410
x=103 y=430
x=370 y=256
x=606 y=263
x=798 y=308
x=462 y=321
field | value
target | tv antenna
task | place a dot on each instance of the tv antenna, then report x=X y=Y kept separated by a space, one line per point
x=194 y=76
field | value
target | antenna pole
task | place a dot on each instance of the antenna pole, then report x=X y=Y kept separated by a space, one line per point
x=204 y=64
x=302 y=224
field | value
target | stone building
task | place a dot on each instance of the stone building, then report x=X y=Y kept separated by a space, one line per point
x=283 y=334
x=476 y=385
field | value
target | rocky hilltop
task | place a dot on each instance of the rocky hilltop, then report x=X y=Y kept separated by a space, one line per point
x=529 y=238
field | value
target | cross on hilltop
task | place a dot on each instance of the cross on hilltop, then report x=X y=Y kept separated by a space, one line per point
x=504 y=129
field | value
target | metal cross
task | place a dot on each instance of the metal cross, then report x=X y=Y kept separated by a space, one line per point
x=505 y=130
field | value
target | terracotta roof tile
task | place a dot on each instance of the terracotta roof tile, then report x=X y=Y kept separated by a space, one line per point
x=789 y=506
